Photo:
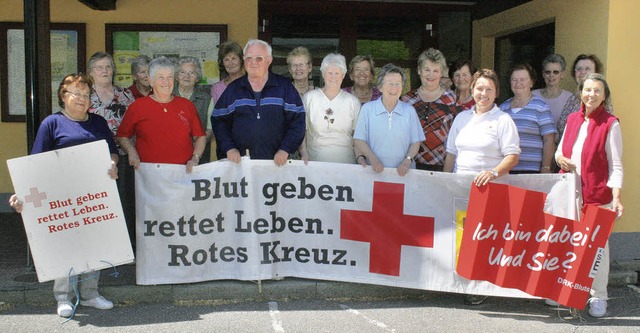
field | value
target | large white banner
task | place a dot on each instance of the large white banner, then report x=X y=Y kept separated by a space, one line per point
x=71 y=210
x=254 y=220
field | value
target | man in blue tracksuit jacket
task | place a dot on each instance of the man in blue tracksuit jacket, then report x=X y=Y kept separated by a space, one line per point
x=261 y=112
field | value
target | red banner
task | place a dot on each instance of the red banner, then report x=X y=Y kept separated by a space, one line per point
x=510 y=241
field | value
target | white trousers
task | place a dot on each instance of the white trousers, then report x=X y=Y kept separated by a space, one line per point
x=87 y=287
x=601 y=280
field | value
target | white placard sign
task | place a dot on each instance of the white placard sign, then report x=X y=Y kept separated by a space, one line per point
x=71 y=210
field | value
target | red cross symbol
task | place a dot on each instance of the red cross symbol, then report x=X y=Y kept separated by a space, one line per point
x=35 y=197
x=386 y=228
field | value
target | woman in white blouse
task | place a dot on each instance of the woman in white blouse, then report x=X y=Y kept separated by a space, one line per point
x=331 y=116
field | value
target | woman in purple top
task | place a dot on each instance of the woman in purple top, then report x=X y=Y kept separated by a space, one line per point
x=70 y=127
x=231 y=66
x=361 y=74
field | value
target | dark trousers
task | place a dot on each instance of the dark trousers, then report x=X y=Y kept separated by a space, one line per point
x=522 y=172
x=429 y=167
x=126 y=188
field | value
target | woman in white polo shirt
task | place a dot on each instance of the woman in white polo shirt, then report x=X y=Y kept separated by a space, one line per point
x=483 y=140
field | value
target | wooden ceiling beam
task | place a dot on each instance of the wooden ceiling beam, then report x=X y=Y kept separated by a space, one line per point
x=100 y=4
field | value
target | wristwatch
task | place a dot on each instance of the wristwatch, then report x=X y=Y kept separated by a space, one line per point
x=494 y=173
x=409 y=157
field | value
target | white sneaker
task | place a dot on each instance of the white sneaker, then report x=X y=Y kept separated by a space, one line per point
x=65 y=309
x=99 y=303
x=551 y=302
x=597 y=307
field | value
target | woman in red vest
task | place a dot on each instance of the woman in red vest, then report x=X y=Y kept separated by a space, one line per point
x=592 y=148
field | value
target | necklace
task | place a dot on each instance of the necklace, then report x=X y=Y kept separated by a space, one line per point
x=429 y=96
x=164 y=105
x=86 y=116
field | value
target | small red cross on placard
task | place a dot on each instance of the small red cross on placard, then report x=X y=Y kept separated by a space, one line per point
x=386 y=228
x=35 y=197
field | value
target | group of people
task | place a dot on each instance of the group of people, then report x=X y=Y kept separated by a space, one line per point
x=165 y=118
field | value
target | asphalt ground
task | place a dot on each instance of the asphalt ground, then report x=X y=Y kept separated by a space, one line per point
x=21 y=294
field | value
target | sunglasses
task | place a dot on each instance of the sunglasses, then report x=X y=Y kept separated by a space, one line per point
x=555 y=72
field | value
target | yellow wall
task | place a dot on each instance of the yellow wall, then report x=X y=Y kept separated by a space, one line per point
x=581 y=27
x=622 y=75
x=607 y=28
x=240 y=16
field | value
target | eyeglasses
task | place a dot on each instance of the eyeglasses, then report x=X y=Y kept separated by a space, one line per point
x=555 y=72
x=183 y=73
x=520 y=80
x=103 y=68
x=362 y=69
x=257 y=59
x=79 y=95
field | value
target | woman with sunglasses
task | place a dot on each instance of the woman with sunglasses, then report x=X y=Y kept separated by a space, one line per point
x=553 y=67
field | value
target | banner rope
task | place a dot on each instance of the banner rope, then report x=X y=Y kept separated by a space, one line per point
x=73 y=280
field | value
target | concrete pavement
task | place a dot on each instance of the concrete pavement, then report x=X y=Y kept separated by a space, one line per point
x=19 y=284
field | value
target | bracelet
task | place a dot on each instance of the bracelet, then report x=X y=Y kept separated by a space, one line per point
x=357 y=158
x=197 y=156
x=546 y=167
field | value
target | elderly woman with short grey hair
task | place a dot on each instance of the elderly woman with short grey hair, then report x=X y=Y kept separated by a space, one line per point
x=188 y=75
x=112 y=102
x=436 y=108
x=140 y=73
x=331 y=116
x=166 y=127
x=388 y=132
x=553 y=69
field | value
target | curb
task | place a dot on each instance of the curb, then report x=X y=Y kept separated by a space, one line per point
x=232 y=291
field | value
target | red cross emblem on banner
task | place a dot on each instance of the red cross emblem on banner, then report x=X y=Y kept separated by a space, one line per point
x=386 y=228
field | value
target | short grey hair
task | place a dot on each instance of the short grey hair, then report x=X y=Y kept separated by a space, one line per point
x=436 y=57
x=252 y=42
x=389 y=69
x=99 y=56
x=601 y=78
x=299 y=51
x=334 y=59
x=190 y=60
x=554 y=59
x=160 y=62
x=139 y=61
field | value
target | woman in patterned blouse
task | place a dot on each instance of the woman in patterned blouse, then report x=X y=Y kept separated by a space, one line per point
x=111 y=102
x=436 y=108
